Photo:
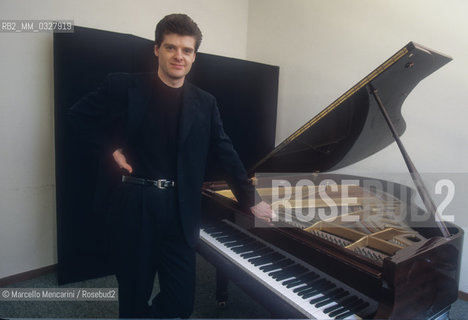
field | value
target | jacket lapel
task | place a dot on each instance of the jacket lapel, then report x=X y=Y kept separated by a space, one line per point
x=188 y=114
x=138 y=99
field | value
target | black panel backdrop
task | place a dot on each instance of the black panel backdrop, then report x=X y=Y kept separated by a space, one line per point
x=247 y=98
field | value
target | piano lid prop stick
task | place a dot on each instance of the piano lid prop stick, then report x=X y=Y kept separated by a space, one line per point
x=426 y=198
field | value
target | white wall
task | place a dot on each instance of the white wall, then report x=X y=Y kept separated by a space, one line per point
x=324 y=47
x=27 y=172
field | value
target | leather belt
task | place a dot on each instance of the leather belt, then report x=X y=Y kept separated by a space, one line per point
x=161 y=183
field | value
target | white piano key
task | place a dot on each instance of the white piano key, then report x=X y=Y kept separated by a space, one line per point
x=287 y=294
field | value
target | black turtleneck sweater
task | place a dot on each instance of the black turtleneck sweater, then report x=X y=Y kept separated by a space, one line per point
x=155 y=155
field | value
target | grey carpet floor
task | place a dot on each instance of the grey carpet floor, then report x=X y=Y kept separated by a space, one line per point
x=239 y=306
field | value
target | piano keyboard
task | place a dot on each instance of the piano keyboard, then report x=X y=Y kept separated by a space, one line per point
x=312 y=292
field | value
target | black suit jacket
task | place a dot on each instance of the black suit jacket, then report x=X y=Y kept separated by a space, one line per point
x=110 y=118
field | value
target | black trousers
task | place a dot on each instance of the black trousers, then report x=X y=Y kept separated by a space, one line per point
x=148 y=239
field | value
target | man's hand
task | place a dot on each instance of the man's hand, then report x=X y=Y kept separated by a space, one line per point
x=121 y=161
x=263 y=211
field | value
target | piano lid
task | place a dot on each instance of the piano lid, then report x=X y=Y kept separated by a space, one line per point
x=352 y=127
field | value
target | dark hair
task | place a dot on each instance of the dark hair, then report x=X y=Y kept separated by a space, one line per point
x=177 y=23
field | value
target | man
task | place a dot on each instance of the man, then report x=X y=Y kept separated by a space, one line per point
x=159 y=129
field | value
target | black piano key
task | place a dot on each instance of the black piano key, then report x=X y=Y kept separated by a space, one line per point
x=349 y=309
x=275 y=257
x=292 y=283
x=319 y=299
x=302 y=288
x=254 y=245
x=232 y=238
x=328 y=287
x=249 y=246
x=256 y=253
x=343 y=306
x=288 y=272
x=218 y=235
x=340 y=302
x=217 y=229
x=312 y=293
x=245 y=245
x=268 y=264
x=271 y=258
x=305 y=290
x=308 y=285
x=331 y=296
x=353 y=310
x=296 y=272
x=210 y=228
x=286 y=275
x=265 y=258
x=227 y=229
x=282 y=276
x=325 y=293
x=225 y=239
x=334 y=293
x=276 y=265
x=221 y=236
x=323 y=288
x=233 y=244
x=215 y=232
x=280 y=262
x=237 y=235
x=261 y=258
x=301 y=279
x=345 y=299
x=293 y=270
x=297 y=285
x=226 y=234
x=332 y=308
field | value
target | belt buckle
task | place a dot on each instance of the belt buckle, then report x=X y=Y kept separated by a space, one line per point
x=161 y=184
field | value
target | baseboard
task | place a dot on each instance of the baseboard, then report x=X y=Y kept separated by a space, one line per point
x=7 y=281
x=462 y=295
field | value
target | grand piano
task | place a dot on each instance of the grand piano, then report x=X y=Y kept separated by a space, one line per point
x=382 y=263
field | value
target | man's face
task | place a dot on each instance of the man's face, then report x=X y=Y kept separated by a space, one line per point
x=176 y=56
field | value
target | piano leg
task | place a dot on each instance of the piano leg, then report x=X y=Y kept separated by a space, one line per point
x=221 y=288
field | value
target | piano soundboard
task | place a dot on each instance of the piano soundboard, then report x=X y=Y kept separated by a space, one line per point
x=377 y=231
